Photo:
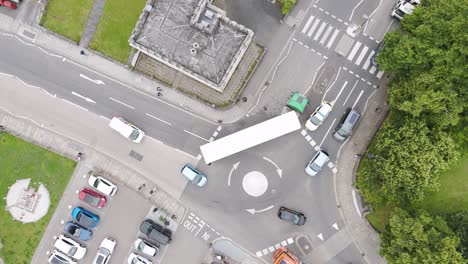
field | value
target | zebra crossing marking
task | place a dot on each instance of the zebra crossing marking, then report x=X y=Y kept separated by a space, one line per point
x=325 y=36
x=380 y=74
x=332 y=39
x=314 y=26
x=366 y=65
x=361 y=55
x=373 y=69
x=320 y=30
x=354 y=50
x=307 y=25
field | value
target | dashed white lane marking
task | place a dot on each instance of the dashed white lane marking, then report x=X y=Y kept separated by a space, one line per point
x=259 y=254
x=159 y=119
x=199 y=157
x=314 y=26
x=312 y=143
x=307 y=25
x=308 y=138
x=340 y=20
x=330 y=165
x=122 y=103
x=361 y=55
x=332 y=39
x=368 y=60
x=372 y=69
x=290 y=241
x=219 y=128
x=333 y=16
x=303 y=132
x=354 y=50
x=195 y=135
x=316 y=147
x=320 y=30
x=271 y=249
x=380 y=74
x=284 y=243
x=335 y=170
x=325 y=36
x=215 y=134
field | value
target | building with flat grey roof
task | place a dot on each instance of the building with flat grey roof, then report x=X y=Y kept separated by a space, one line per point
x=193 y=37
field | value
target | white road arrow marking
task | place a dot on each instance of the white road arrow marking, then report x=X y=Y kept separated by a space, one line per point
x=253 y=211
x=92 y=80
x=278 y=170
x=335 y=226
x=234 y=167
x=320 y=236
x=85 y=98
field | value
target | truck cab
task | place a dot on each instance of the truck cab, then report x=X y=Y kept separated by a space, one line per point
x=283 y=256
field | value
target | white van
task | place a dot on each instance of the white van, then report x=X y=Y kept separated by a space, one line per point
x=127 y=129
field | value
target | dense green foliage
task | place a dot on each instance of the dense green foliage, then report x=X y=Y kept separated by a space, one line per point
x=419 y=239
x=286 y=6
x=458 y=222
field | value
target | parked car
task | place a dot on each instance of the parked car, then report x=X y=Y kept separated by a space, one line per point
x=346 y=125
x=103 y=185
x=57 y=257
x=85 y=218
x=70 y=247
x=93 y=198
x=146 y=247
x=105 y=251
x=194 y=175
x=137 y=259
x=8 y=4
x=127 y=129
x=78 y=231
x=317 y=117
x=291 y=216
x=317 y=162
x=156 y=232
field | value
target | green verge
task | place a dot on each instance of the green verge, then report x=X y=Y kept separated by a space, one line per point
x=67 y=17
x=115 y=27
x=18 y=160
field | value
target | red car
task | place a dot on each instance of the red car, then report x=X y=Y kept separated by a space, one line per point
x=93 y=198
x=7 y=4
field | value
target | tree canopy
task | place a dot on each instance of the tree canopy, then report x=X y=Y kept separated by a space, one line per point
x=428 y=59
x=286 y=6
x=419 y=239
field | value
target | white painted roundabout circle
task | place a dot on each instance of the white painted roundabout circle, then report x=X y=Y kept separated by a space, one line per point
x=255 y=183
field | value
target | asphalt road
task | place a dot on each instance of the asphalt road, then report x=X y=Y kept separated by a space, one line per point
x=103 y=96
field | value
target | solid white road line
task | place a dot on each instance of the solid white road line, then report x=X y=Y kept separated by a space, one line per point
x=367 y=63
x=82 y=97
x=122 y=103
x=339 y=93
x=195 y=135
x=325 y=36
x=314 y=26
x=352 y=89
x=354 y=50
x=320 y=30
x=361 y=55
x=372 y=69
x=307 y=25
x=332 y=39
x=355 y=203
x=159 y=119
x=359 y=97
x=326 y=134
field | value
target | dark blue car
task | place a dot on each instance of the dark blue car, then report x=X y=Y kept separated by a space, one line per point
x=84 y=217
x=78 y=231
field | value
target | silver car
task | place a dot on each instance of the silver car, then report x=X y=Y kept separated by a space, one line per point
x=317 y=162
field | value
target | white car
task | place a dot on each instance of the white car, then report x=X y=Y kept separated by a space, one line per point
x=317 y=118
x=103 y=185
x=318 y=161
x=145 y=247
x=137 y=259
x=70 y=247
x=57 y=257
x=105 y=251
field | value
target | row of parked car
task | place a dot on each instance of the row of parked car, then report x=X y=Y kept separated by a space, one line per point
x=67 y=248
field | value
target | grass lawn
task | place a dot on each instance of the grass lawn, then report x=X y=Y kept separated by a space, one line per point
x=116 y=24
x=20 y=159
x=67 y=17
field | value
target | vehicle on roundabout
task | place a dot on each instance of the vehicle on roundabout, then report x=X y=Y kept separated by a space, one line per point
x=289 y=215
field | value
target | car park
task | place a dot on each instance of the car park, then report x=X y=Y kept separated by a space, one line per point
x=146 y=247
x=70 y=247
x=346 y=125
x=84 y=217
x=156 y=232
x=92 y=198
x=318 y=116
x=78 y=231
x=291 y=216
x=102 y=185
x=194 y=175
x=316 y=163
x=105 y=251
x=137 y=259
x=57 y=257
